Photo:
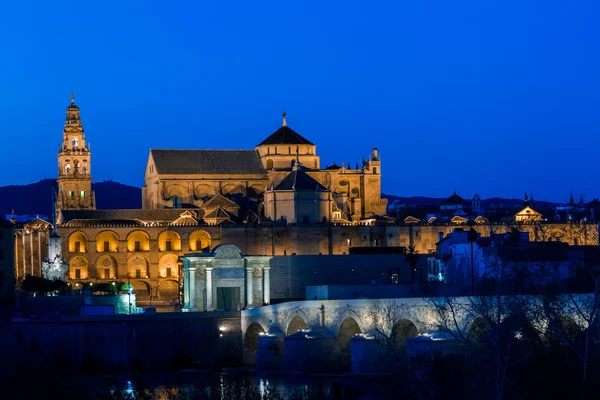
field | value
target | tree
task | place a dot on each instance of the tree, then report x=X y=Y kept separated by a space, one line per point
x=472 y=237
x=487 y=327
x=41 y=286
x=390 y=329
x=412 y=258
x=573 y=319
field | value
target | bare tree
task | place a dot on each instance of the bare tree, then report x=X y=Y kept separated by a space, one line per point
x=388 y=326
x=487 y=326
x=573 y=319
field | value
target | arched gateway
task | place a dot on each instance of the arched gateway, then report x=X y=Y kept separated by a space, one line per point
x=225 y=280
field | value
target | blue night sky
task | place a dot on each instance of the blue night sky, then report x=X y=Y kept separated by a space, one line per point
x=495 y=97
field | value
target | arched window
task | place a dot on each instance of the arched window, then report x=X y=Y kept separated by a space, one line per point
x=75 y=142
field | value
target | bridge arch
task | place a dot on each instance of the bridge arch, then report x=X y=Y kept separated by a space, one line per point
x=402 y=330
x=253 y=331
x=348 y=313
x=348 y=328
x=296 y=323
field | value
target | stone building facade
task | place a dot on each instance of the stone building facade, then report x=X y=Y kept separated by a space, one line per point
x=31 y=247
x=225 y=280
x=274 y=200
x=189 y=178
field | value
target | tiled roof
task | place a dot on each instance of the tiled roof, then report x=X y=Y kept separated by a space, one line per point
x=298 y=179
x=285 y=135
x=207 y=161
x=219 y=201
x=161 y=215
x=186 y=218
x=82 y=223
x=454 y=200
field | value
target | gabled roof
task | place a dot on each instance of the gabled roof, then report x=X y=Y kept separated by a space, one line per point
x=458 y=220
x=186 y=218
x=219 y=162
x=252 y=217
x=528 y=211
x=297 y=180
x=454 y=200
x=219 y=215
x=285 y=135
x=333 y=166
x=38 y=222
x=219 y=201
x=411 y=220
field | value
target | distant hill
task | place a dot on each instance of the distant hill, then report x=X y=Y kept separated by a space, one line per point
x=36 y=198
x=494 y=202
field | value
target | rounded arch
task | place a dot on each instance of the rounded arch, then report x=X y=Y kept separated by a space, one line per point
x=167 y=266
x=253 y=331
x=176 y=191
x=169 y=240
x=344 y=183
x=137 y=266
x=297 y=323
x=107 y=242
x=347 y=329
x=232 y=189
x=344 y=316
x=106 y=267
x=169 y=290
x=203 y=190
x=476 y=332
x=402 y=330
x=78 y=242
x=78 y=268
x=200 y=240
x=141 y=289
x=255 y=190
x=565 y=327
x=138 y=241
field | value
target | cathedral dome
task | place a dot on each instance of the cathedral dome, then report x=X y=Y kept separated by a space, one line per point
x=285 y=135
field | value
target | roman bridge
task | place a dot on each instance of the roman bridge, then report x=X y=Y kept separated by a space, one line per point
x=306 y=335
x=335 y=334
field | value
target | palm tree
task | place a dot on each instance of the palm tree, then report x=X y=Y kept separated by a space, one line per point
x=412 y=258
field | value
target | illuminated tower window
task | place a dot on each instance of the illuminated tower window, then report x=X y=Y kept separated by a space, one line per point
x=75 y=142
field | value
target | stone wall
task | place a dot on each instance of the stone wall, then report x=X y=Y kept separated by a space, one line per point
x=291 y=275
x=159 y=341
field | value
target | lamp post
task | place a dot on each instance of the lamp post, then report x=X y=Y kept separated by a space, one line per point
x=129 y=292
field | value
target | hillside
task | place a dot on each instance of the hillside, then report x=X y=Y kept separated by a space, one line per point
x=36 y=198
x=493 y=202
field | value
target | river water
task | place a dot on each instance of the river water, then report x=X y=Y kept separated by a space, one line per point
x=194 y=384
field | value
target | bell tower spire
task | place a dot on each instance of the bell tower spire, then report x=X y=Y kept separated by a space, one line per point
x=74 y=183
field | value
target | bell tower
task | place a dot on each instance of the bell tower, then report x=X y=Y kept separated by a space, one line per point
x=74 y=183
